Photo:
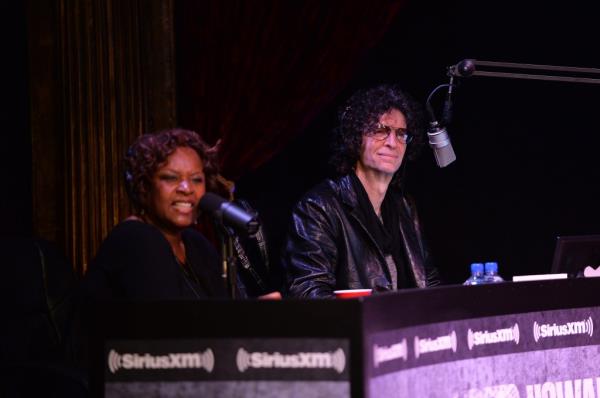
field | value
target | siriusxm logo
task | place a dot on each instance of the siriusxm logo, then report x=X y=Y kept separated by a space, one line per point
x=389 y=353
x=182 y=360
x=545 y=330
x=476 y=338
x=441 y=343
x=311 y=360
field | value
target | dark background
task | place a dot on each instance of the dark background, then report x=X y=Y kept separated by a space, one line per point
x=15 y=144
x=526 y=151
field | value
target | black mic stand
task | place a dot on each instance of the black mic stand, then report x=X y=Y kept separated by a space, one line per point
x=438 y=137
x=513 y=70
x=229 y=260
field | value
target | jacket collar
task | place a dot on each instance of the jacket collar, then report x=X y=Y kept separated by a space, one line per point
x=409 y=231
x=347 y=193
x=350 y=197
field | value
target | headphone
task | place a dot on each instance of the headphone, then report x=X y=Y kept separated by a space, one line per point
x=128 y=179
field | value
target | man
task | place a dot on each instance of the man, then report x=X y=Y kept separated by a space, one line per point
x=358 y=230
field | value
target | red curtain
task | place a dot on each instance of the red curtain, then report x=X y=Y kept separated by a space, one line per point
x=255 y=73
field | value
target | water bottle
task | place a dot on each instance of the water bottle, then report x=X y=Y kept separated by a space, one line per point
x=491 y=273
x=476 y=277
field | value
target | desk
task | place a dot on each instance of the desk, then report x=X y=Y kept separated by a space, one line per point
x=529 y=339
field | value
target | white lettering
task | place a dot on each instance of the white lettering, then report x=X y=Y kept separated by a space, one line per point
x=548 y=390
x=498 y=336
x=588 y=388
x=127 y=361
x=169 y=361
x=389 y=353
x=300 y=360
x=437 y=344
x=567 y=329
x=569 y=392
x=577 y=388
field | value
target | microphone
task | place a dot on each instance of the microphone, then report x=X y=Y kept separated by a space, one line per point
x=441 y=145
x=229 y=214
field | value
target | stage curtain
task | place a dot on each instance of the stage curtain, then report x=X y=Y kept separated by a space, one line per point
x=101 y=73
x=254 y=73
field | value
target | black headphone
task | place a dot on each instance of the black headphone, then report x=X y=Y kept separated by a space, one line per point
x=128 y=178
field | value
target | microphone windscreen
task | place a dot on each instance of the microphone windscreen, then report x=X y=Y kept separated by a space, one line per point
x=211 y=202
x=444 y=155
x=441 y=145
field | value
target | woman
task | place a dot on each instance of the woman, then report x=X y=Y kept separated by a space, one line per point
x=154 y=254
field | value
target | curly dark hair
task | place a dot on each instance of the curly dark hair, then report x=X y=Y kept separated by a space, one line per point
x=361 y=113
x=150 y=151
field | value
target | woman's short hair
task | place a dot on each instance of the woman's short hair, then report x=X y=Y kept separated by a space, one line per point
x=145 y=156
x=361 y=113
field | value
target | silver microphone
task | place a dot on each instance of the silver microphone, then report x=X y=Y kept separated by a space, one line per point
x=441 y=145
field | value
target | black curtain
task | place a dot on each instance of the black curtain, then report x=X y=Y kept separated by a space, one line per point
x=254 y=74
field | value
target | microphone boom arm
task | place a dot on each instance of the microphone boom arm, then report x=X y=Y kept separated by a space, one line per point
x=512 y=70
x=438 y=136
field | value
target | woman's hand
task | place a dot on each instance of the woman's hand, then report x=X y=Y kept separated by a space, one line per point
x=270 y=296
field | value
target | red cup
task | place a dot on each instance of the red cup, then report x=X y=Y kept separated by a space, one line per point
x=351 y=293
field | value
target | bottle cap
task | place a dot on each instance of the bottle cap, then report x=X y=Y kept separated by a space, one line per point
x=491 y=267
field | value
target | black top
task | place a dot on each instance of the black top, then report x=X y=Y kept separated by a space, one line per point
x=136 y=261
x=385 y=232
x=329 y=247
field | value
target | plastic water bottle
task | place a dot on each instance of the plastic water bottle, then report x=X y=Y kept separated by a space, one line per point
x=476 y=277
x=491 y=273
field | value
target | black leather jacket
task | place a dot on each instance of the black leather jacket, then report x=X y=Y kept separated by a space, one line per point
x=329 y=248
